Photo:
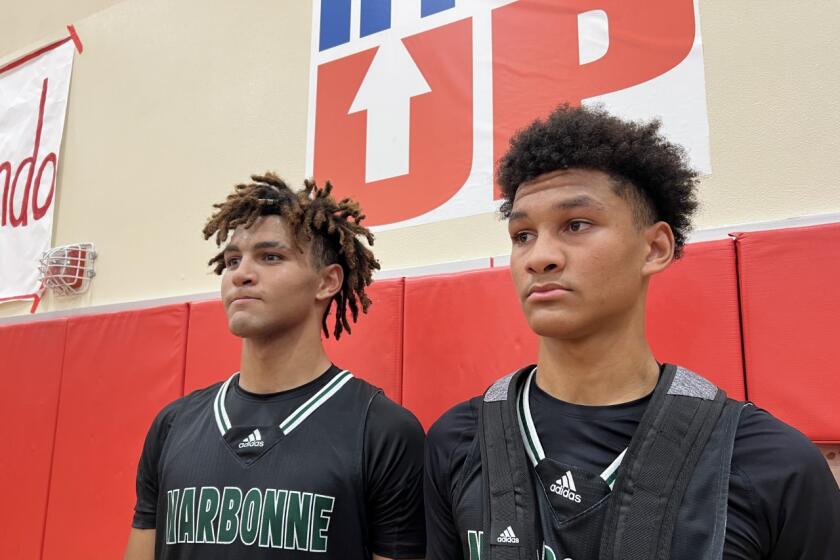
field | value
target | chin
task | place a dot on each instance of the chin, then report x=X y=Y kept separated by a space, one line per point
x=555 y=327
x=243 y=328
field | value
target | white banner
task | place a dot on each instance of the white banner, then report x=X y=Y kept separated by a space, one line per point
x=33 y=102
x=411 y=102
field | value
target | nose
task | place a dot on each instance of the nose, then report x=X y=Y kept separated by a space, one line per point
x=245 y=273
x=546 y=255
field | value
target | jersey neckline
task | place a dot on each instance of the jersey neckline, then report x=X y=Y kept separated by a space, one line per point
x=293 y=393
x=531 y=439
x=298 y=415
x=630 y=409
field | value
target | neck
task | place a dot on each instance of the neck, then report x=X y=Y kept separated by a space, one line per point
x=610 y=367
x=279 y=363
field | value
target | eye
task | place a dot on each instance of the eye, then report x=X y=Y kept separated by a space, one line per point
x=576 y=226
x=232 y=262
x=272 y=257
x=521 y=237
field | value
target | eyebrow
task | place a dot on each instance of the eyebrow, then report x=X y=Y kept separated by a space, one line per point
x=580 y=201
x=231 y=248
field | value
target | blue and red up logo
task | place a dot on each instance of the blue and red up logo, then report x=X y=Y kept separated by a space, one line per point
x=412 y=101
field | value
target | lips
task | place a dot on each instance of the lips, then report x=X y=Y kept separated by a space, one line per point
x=242 y=299
x=545 y=291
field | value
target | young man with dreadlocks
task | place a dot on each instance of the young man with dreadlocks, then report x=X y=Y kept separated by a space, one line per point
x=599 y=452
x=291 y=457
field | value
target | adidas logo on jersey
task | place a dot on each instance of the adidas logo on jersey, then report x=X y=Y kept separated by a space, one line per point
x=254 y=439
x=508 y=536
x=565 y=487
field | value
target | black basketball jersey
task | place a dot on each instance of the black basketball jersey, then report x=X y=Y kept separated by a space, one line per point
x=568 y=498
x=291 y=489
x=574 y=453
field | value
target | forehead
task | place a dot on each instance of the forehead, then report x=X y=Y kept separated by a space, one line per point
x=263 y=229
x=573 y=190
x=571 y=181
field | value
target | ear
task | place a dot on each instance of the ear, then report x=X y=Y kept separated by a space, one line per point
x=329 y=283
x=659 y=248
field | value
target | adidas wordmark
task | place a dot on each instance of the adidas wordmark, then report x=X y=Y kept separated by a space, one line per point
x=565 y=487
x=254 y=439
x=508 y=536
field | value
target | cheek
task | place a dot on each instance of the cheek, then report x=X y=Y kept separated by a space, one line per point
x=226 y=284
x=294 y=286
x=518 y=276
x=617 y=274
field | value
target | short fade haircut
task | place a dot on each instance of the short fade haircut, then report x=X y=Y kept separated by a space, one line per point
x=331 y=229
x=648 y=170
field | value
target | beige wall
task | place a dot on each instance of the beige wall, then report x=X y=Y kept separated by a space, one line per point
x=173 y=102
x=29 y=23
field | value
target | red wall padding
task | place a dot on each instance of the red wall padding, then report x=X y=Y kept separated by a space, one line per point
x=119 y=371
x=790 y=298
x=81 y=393
x=462 y=331
x=692 y=315
x=30 y=359
x=373 y=351
x=212 y=352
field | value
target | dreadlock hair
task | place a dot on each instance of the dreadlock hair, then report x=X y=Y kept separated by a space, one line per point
x=652 y=173
x=330 y=228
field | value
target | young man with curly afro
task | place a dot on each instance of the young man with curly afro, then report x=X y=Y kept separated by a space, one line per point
x=290 y=457
x=598 y=451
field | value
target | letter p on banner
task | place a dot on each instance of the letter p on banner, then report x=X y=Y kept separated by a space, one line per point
x=33 y=102
x=619 y=52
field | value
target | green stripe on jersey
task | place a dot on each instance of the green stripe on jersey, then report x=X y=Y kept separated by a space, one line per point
x=532 y=440
x=296 y=417
x=315 y=401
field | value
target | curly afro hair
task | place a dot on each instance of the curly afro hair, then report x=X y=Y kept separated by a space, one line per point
x=648 y=170
x=331 y=229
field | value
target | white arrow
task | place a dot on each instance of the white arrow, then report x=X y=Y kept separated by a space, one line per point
x=391 y=81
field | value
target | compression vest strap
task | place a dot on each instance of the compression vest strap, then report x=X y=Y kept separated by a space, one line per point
x=659 y=464
x=646 y=498
x=510 y=504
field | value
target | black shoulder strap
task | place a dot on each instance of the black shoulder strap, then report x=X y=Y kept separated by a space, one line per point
x=672 y=434
x=509 y=500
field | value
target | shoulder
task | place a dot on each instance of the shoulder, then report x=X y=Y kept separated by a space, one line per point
x=783 y=480
x=393 y=447
x=451 y=436
x=450 y=445
x=162 y=425
x=763 y=442
x=385 y=417
x=172 y=411
x=778 y=465
x=459 y=422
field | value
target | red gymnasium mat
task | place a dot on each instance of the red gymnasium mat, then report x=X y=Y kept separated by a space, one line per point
x=31 y=357
x=791 y=306
x=119 y=370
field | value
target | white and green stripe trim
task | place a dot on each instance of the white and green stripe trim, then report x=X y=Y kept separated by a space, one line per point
x=222 y=419
x=533 y=446
x=297 y=416
x=611 y=473
x=311 y=405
